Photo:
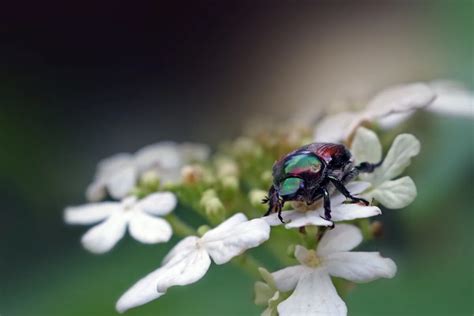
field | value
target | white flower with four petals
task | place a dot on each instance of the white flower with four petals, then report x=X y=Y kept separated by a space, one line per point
x=190 y=259
x=314 y=293
x=139 y=215
x=393 y=194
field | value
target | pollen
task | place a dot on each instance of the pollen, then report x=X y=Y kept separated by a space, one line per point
x=312 y=259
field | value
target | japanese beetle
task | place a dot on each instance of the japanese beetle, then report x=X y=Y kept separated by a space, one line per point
x=309 y=173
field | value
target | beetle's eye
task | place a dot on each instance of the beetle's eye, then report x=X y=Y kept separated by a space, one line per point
x=290 y=186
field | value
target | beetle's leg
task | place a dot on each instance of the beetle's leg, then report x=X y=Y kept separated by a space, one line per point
x=364 y=167
x=327 y=206
x=270 y=200
x=368 y=167
x=275 y=203
x=280 y=207
x=341 y=188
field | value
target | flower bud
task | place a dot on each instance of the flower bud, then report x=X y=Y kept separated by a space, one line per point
x=212 y=204
x=150 y=178
x=202 y=230
x=226 y=167
x=267 y=176
x=191 y=174
x=376 y=228
x=256 y=196
x=246 y=146
x=230 y=182
x=290 y=251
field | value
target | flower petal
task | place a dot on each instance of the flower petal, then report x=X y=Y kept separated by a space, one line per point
x=103 y=237
x=394 y=120
x=96 y=191
x=366 y=146
x=286 y=279
x=314 y=295
x=302 y=254
x=263 y=292
x=184 y=269
x=160 y=203
x=140 y=293
x=360 y=266
x=121 y=183
x=343 y=237
x=404 y=147
x=300 y=219
x=223 y=245
x=400 y=99
x=356 y=187
x=452 y=99
x=149 y=229
x=395 y=194
x=227 y=224
x=347 y=212
x=273 y=219
x=181 y=249
x=111 y=165
x=162 y=155
x=90 y=213
x=337 y=127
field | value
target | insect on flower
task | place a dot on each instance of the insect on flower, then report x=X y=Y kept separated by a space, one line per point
x=310 y=173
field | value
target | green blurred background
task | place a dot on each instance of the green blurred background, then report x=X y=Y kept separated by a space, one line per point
x=80 y=83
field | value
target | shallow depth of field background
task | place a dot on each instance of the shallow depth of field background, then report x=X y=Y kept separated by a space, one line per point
x=79 y=84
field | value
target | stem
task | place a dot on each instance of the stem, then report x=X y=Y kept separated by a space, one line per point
x=249 y=264
x=179 y=227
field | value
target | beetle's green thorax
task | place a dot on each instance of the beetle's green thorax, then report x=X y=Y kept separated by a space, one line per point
x=302 y=163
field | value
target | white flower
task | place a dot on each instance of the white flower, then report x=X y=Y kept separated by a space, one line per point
x=340 y=211
x=390 y=102
x=452 y=99
x=392 y=194
x=314 y=294
x=395 y=105
x=118 y=174
x=190 y=259
x=116 y=216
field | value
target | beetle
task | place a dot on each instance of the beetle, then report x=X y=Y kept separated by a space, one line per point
x=308 y=174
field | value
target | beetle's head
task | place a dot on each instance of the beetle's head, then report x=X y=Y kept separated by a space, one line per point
x=298 y=189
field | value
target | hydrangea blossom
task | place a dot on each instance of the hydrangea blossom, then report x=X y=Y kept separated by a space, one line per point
x=391 y=193
x=340 y=211
x=313 y=291
x=118 y=174
x=139 y=215
x=190 y=259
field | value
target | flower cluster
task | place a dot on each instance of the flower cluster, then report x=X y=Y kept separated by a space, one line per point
x=139 y=191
